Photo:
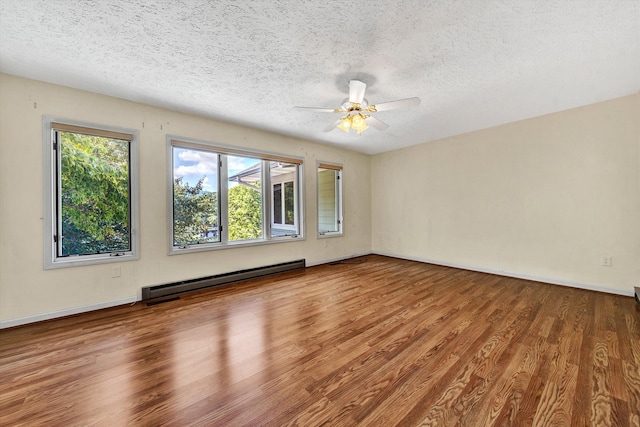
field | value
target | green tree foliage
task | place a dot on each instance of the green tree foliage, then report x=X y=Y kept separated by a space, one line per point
x=195 y=213
x=94 y=194
x=289 y=202
x=245 y=213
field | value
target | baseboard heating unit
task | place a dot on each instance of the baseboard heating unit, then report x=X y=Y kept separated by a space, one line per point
x=170 y=289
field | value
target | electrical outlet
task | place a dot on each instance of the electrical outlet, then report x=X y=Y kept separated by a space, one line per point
x=115 y=272
x=606 y=261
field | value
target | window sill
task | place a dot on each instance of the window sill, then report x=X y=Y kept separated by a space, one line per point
x=232 y=245
x=82 y=260
x=328 y=235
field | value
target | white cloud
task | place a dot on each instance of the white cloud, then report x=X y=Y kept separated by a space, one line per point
x=197 y=156
x=237 y=164
x=198 y=169
x=192 y=165
x=195 y=164
x=207 y=186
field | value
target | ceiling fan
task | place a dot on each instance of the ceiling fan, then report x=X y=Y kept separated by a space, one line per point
x=357 y=108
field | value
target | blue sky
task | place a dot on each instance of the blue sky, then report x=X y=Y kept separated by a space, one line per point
x=192 y=165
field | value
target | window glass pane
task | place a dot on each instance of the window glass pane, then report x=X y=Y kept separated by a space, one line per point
x=244 y=198
x=230 y=197
x=195 y=197
x=328 y=215
x=283 y=176
x=277 y=204
x=289 y=203
x=93 y=195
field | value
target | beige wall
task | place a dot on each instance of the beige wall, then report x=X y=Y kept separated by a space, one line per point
x=542 y=198
x=28 y=292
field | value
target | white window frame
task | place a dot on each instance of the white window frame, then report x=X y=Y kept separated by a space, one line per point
x=51 y=182
x=223 y=152
x=284 y=225
x=339 y=203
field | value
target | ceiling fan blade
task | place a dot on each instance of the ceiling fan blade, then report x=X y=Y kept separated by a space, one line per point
x=378 y=124
x=332 y=126
x=319 y=109
x=356 y=91
x=393 y=105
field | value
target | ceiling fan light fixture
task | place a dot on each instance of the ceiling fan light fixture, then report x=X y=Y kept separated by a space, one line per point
x=359 y=123
x=358 y=109
x=345 y=124
x=362 y=129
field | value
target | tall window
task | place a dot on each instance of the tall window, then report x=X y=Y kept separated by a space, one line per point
x=222 y=196
x=284 y=199
x=90 y=181
x=196 y=206
x=329 y=199
x=245 y=198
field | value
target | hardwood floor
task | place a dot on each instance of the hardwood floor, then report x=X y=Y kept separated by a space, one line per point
x=379 y=343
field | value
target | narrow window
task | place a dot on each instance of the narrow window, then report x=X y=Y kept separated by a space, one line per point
x=277 y=204
x=284 y=177
x=329 y=199
x=289 y=203
x=91 y=198
x=244 y=198
x=195 y=197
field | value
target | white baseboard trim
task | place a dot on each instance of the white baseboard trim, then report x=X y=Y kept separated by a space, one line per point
x=515 y=275
x=82 y=309
x=66 y=312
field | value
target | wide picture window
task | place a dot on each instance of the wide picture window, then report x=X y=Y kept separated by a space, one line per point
x=91 y=191
x=225 y=197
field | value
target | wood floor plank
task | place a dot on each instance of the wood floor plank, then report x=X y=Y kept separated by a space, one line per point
x=376 y=341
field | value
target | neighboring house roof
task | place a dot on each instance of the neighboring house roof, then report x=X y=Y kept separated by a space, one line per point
x=253 y=174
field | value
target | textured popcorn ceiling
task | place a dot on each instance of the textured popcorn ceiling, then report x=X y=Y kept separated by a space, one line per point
x=474 y=63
